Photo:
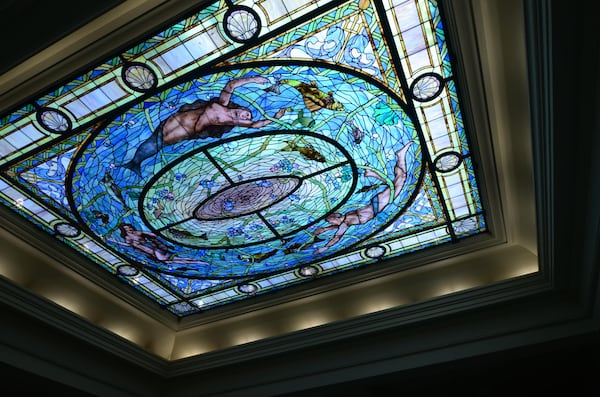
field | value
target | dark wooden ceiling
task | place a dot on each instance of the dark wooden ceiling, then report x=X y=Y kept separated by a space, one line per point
x=29 y=26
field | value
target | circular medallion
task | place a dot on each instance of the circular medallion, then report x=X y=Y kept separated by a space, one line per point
x=241 y=24
x=66 y=229
x=447 y=162
x=248 y=288
x=246 y=198
x=426 y=87
x=465 y=225
x=376 y=252
x=139 y=77
x=182 y=307
x=308 y=271
x=221 y=205
x=54 y=120
x=127 y=271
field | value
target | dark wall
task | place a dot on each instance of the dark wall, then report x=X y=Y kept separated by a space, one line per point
x=565 y=365
x=18 y=382
x=560 y=366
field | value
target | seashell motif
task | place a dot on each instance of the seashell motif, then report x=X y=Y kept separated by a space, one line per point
x=447 y=162
x=465 y=225
x=54 y=121
x=426 y=87
x=127 y=270
x=247 y=288
x=66 y=229
x=308 y=271
x=182 y=307
x=139 y=77
x=242 y=25
x=377 y=251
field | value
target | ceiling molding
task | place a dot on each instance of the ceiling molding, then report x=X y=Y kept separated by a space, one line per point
x=500 y=311
x=441 y=260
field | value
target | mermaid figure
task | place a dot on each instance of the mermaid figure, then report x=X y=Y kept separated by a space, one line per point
x=148 y=148
x=200 y=120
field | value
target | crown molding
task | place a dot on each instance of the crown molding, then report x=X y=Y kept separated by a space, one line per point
x=435 y=327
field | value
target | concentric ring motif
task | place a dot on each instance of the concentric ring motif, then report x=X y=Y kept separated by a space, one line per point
x=247 y=205
x=246 y=198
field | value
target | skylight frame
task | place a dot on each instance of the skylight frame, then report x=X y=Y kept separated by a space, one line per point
x=80 y=98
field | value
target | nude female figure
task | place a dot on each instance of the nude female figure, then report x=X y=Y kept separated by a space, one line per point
x=200 y=120
x=341 y=222
x=148 y=243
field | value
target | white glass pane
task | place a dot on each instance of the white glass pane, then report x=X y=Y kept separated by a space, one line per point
x=47 y=216
x=95 y=99
x=18 y=140
x=78 y=108
x=407 y=15
x=113 y=91
x=32 y=132
x=433 y=112
x=174 y=59
x=202 y=44
x=414 y=41
x=6 y=148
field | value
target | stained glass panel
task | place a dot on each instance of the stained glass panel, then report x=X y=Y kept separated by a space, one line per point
x=250 y=147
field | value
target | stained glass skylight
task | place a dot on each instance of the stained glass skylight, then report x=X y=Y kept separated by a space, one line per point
x=249 y=147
